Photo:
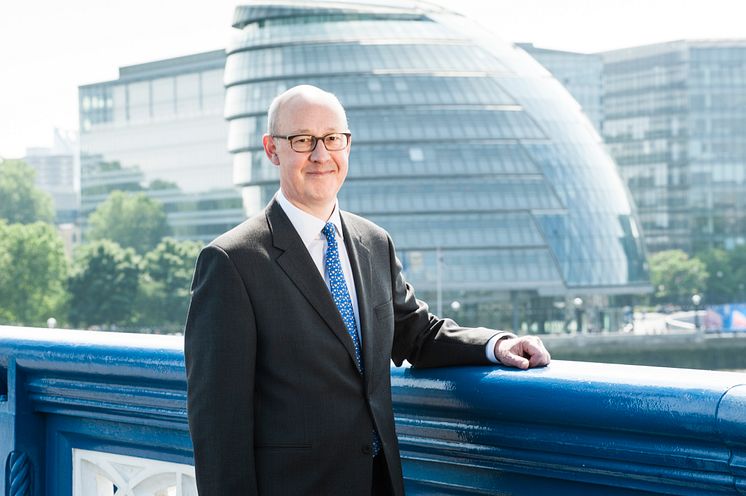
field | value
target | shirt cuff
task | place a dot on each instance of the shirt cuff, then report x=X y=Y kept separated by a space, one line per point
x=490 y=350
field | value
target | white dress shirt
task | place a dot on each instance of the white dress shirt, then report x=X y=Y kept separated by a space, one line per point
x=309 y=229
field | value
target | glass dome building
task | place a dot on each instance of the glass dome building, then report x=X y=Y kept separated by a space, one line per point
x=503 y=203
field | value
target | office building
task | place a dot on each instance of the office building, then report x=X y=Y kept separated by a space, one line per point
x=159 y=128
x=57 y=174
x=674 y=120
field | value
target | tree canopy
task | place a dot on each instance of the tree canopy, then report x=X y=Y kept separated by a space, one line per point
x=165 y=283
x=22 y=202
x=130 y=220
x=33 y=273
x=676 y=277
x=103 y=284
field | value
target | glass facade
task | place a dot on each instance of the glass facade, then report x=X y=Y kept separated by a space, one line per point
x=580 y=73
x=493 y=184
x=675 y=120
x=159 y=128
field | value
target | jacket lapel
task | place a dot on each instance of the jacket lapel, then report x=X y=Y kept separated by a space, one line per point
x=296 y=262
x=361 y=272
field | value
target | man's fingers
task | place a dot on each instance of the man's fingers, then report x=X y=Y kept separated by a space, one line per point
x=512 y=360
x=522 y=353
x=540 y=359
x=536 y=352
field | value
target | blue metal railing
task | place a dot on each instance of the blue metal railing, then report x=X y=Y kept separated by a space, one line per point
x=573 y=428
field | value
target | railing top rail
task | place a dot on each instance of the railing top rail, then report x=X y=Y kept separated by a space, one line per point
x=145 y=356
x=664 y=401
x=652 y=400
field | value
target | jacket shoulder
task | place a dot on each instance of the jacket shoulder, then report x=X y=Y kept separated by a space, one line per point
x=251 y=234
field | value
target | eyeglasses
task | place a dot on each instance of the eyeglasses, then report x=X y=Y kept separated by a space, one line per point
x=304 y=143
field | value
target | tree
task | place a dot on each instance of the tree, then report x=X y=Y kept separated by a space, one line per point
x=165 y=283
x=22 y=202
x=722 y=281
x=162 y=184
x=33 y=272
x=132 y=221
x=103 y=284
x=737 y=261
x=676 y=277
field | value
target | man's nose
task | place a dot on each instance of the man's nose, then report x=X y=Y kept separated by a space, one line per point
x=320 y=153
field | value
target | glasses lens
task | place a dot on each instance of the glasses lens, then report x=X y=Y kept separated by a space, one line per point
x=335 y=141
x=303 y=143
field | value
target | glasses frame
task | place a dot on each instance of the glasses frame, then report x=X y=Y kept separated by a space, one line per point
x=315 y=141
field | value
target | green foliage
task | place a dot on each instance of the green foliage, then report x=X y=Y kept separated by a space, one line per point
x=104 y=284
x=676 y=277
x=737 y=259
x=132 y=221
x=165 y=283
x=33 y=271
x=162 y=184
x=22 y=202
x=722 y=282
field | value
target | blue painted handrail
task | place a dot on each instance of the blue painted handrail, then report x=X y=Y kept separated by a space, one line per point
x=572 y=428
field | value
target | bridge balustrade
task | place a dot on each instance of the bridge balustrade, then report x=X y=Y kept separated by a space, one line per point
x=91 y=413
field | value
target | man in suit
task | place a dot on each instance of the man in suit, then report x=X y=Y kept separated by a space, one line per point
x=294 y=319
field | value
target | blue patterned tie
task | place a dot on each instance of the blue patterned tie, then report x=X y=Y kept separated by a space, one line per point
x=341 y=297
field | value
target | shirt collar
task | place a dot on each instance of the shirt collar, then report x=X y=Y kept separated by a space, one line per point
x=308 y=226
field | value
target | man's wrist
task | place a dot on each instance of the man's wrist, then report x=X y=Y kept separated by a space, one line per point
x=492 y=345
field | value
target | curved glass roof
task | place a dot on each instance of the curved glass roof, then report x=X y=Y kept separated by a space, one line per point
x=458 y=135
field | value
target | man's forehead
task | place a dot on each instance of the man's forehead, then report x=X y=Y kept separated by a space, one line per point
x=311 y=115
x=301 y=100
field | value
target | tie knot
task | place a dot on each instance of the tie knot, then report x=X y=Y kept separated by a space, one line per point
x=329 y=231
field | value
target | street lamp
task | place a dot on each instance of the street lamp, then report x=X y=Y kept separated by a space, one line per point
x=578 y=302
x=696 y=300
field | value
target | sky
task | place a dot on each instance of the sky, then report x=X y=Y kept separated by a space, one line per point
x=49 y=47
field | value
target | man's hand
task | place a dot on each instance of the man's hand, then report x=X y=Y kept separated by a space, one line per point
x=522 y=352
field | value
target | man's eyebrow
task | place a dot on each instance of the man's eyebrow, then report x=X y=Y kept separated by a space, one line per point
x=308 y=131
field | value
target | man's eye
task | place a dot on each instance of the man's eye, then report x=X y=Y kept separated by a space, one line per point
x=301 y=139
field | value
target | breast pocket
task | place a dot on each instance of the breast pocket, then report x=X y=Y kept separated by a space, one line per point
x=384 y=310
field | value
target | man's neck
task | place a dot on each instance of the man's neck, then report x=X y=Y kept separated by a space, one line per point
x=322 y=212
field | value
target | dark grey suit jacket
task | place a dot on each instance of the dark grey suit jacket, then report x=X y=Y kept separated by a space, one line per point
x=276 y=404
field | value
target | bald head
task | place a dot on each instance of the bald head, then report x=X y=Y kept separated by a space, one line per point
x=287 y=101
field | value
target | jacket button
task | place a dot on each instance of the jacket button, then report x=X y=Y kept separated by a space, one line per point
x=367 y=449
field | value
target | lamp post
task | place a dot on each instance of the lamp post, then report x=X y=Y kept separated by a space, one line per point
x=439 y=280
x=578 y=302
x=696 y=300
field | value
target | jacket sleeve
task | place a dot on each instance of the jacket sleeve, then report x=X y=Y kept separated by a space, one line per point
x=220 y=351
x=426 y=340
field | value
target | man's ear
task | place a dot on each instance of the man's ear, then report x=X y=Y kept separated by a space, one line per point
x=270 y=148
